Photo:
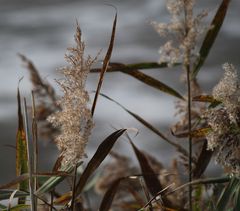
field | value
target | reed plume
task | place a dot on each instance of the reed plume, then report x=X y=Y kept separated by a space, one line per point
x=74 y=120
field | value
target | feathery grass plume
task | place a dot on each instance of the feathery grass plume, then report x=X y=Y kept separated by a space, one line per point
x=74 y=120
x=224 y=136
x=184 y=27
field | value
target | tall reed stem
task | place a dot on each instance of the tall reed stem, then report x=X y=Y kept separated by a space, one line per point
x=189 y=132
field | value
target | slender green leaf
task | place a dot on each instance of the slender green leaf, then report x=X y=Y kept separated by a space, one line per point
x=211 y=36
x=237 y=199
x=5 y=194
x=29 y=157
x=228 y=193
x=21 y=149
x=105 y=63
x=52 y=182
x=101 y=153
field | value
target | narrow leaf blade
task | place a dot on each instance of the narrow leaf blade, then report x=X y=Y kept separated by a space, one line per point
x=21 y=148
x=211 y=36
x=105 y=64
x=227 y=194
x=154 y=83
x=101 y=153
x=109 y=195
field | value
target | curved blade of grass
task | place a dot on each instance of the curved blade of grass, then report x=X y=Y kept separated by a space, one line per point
x=211 y=36
x=105 y=63
x=120 y=67
x=109 y=195
x=29 y=158
x=101 y=153
x=154 y=83
x=52 y=182
x=132 y=70
x=5 y=194
x=149 y=126
x=228 y=193
x=153 y=184
x=202 y=161
x=237 y=200
x=21 y=150
x=11 y=200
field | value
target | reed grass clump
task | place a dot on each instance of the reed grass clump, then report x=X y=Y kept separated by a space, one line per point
x=209 y=124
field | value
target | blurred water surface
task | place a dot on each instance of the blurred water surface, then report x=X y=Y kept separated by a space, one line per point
x=42 y=30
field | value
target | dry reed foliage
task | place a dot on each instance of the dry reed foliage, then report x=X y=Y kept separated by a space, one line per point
x=224 y=121
x=130 y=192
x=46 y=103
x=74 y=120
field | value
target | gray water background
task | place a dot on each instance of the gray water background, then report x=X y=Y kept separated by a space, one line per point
x=42 y=30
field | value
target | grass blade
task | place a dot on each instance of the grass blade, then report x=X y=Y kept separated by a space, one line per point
x=149 y=126
x=237 y=200
x=5 y=194
x=154 y=83
x=11 y=199
x=202 y=161
x=109 y=195
x=119 y=67
x=132 y=70
x=52 y=182
x=153 y=184
x=29 y=156
x=211 y=36
x=102 y=151
x=21 y=150
x=35 y=141
x=227 y=194
x=105 y=63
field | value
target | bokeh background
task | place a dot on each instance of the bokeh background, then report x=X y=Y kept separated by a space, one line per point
x=42 y=30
